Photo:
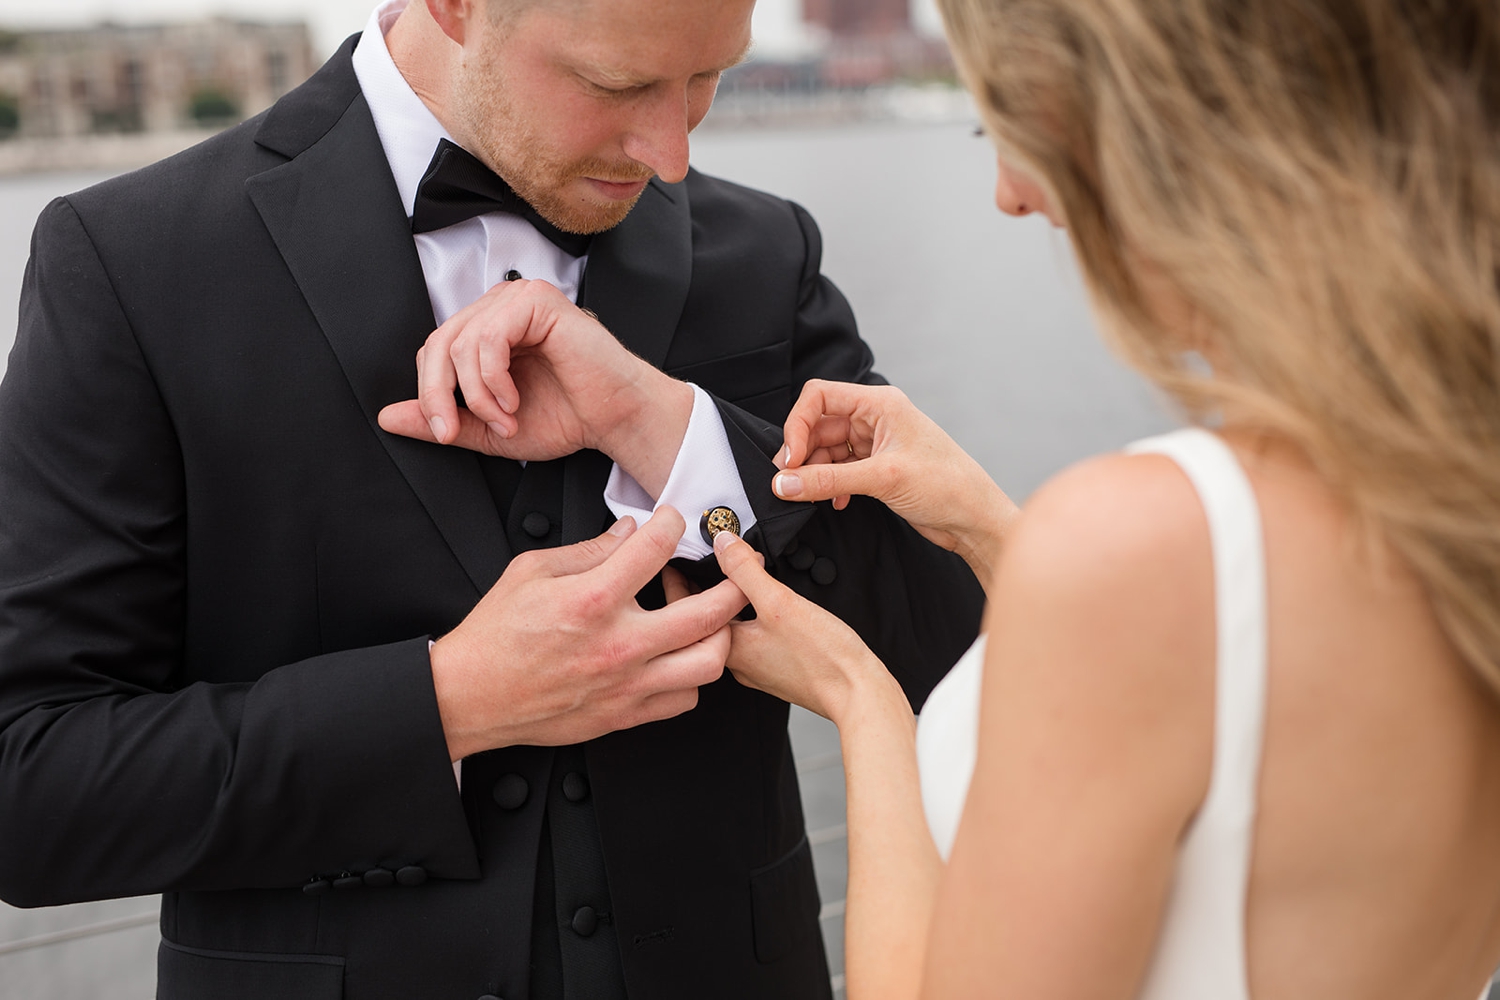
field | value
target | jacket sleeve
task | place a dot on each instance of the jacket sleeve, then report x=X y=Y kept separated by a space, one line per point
x=915 y=604
x=115 y=777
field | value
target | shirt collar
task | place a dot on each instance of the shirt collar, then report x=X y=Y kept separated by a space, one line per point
x=409 y=132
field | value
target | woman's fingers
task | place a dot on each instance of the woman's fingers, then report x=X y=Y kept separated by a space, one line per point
x=837 y=435
x=820 y=414
x=746 y=569
x=829 y=413
x=874 y=477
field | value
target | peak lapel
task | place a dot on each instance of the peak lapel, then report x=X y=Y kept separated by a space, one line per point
x=336 y=217
x=638 y=272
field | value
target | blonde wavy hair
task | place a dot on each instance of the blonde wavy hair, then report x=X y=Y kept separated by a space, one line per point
x=1318 y=182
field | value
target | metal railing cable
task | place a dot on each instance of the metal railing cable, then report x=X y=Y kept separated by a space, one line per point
x=81 y=931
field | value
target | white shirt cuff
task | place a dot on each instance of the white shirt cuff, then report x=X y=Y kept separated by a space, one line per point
x=703 y=477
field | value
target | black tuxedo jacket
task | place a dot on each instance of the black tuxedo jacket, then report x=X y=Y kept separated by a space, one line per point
x=218 y=579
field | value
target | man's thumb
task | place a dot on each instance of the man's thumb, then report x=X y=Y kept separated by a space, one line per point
x=580 y=557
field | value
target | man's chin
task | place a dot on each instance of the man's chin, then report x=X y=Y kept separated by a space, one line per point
x=586 y=211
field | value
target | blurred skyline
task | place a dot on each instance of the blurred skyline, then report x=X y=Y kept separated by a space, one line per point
x=778 y=23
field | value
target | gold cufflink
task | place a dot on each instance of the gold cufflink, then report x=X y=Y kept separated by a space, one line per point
x=716 y=520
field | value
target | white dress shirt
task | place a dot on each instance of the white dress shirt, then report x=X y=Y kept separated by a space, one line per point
x=463 y=261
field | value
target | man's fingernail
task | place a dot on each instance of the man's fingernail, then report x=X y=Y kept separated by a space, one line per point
x=498 y=429
x=623 y=526
x=723 y=540
x=439 y=428
x=787 y=485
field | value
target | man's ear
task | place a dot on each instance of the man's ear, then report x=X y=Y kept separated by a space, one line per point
x=453 y=16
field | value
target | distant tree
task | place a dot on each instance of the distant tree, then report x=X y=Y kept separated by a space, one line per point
x=10 y=41
x=10 y=115
x=211 y=106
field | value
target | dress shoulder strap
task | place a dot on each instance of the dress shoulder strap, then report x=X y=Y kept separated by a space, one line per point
x=1201 y=950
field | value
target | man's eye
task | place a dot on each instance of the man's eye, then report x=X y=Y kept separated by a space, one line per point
x=603 y=91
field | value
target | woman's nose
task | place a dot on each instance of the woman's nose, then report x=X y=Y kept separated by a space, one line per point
x=1013 y=196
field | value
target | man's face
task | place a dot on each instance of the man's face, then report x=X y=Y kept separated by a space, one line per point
x=578 y=104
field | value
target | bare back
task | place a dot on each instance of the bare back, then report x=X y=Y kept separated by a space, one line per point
x=1376 y=866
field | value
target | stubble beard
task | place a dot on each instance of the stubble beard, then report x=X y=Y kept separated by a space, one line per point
x=517 y=149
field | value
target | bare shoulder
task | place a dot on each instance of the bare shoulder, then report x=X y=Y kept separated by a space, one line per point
x=1102 y=623
x=1109 y=524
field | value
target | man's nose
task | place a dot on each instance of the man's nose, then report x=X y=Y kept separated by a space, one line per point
x=659 y=136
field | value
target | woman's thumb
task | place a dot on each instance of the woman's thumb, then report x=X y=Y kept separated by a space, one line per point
x=742 y=565
x=824 y=482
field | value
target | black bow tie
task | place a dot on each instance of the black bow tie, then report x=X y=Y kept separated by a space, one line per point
x=457 y=187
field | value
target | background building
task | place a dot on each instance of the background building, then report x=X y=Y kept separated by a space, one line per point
x=859 y=17
x=148 y=78
x=862 y=60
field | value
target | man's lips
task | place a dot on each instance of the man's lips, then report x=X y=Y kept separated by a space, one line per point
x=619 y=190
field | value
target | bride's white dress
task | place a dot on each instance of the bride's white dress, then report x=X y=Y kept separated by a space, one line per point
x=1201 y=950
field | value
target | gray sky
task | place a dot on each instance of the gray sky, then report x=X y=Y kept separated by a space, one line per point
x=777 y=22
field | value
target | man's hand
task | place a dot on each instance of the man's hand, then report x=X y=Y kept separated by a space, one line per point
x=559 y=652
x=542 y=379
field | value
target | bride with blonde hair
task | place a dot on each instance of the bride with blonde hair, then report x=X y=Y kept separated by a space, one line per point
x=1233 y=730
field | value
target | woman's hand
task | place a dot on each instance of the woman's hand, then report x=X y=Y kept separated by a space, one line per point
x=794 y=649
x=798 y=652
x=842 y=438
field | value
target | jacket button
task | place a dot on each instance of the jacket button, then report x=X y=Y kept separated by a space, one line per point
x=379 y=878
x=510 y=791
x=412 y=875
x=575 y=787
x=801 y=559
x=824 y=572
x=317 y=887
x=585 y=921
x=536 y=524
x=348 y=882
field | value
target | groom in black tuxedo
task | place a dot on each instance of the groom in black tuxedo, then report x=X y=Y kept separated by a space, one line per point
x=246 y=630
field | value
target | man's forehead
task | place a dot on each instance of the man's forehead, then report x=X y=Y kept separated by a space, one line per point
x=612 y=73
x=628 y=43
